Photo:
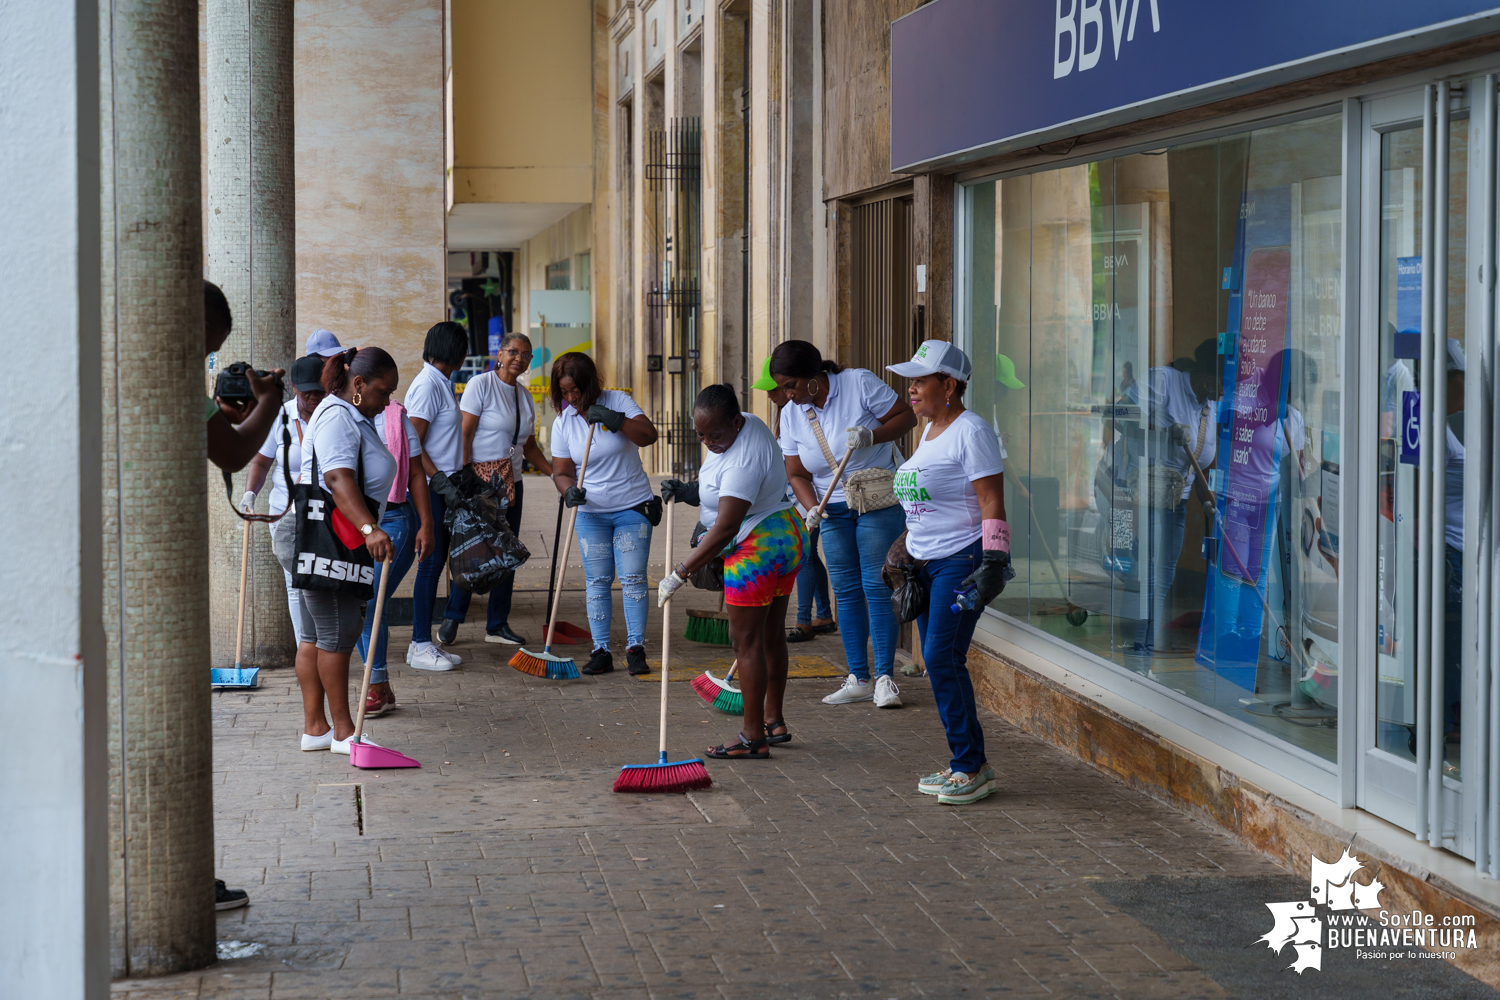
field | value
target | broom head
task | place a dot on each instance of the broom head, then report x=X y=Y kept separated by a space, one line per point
x=710 y=627
x=677 y=776
x=719 y=694
x=544 y=664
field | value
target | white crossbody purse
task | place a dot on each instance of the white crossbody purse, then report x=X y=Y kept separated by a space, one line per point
x=865 y=490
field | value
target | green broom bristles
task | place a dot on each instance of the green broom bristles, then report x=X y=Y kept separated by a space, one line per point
x=718 y=694
x=711 y=627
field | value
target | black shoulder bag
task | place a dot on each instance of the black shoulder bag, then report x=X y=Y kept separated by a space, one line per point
x=324 y=561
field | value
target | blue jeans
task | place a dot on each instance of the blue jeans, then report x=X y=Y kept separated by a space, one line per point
x=608 y=542
x=855 y=546
x=1166 y=528
x=429 y=571
x=401 y=523
x=945 y=651
x=498 y=613
x=812 y=582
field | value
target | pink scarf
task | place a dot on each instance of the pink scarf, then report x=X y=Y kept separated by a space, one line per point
x=395 y=441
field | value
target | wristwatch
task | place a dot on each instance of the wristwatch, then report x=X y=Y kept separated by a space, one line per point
x=366 y=529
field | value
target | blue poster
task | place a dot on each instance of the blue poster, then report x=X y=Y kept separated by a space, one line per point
x=1408 y=307
x=497 y=334
x=1251 y=438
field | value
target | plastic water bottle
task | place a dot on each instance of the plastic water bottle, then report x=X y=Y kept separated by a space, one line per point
x=965 y=600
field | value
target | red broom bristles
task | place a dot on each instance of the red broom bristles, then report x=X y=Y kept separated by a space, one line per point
x=681 y=776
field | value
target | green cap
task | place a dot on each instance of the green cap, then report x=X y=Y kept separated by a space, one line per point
x=1005 y=373
x=765 y=383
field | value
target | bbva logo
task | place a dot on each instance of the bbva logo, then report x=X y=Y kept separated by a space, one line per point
x=1085 y=46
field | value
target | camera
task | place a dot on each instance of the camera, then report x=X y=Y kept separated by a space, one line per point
x=233 y=384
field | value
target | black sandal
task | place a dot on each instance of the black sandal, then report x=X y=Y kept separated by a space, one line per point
x=752 y=750
x=773 y=738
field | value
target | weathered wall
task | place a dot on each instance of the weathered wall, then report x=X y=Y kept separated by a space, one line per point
x=523 y=101
x=857 y=88
x=370 y=162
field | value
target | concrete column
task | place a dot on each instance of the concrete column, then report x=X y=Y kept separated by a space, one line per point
x=53 y=827
x=250 y=252
x=766 y=183
x=161 y=855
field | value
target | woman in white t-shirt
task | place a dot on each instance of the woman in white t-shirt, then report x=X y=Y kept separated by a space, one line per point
x=341 y=437
x=618 y=507
x=741 y=488
x=952 y=490
x=274 y=457
x=831 y=411
x=499 y=433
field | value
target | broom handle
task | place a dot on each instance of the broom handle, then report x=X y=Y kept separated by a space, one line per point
x=239 y=630
x=567 y=543
x=364 y=687
x=552 y=571
x=666 y=635
x=833 y=483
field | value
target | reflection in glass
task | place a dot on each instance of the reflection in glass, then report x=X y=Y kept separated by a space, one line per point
x=1155 y=338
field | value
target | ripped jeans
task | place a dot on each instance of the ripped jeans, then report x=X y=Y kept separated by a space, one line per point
x=609 y=542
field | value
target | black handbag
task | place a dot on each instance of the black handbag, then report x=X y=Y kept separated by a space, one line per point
x=901 y=572
x=324 y=562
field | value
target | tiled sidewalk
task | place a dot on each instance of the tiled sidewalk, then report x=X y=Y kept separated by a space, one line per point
x=505 y=867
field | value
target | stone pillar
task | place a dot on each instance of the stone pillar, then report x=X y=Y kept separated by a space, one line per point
x=54 y=882
x=161 y=860
x=250 y=252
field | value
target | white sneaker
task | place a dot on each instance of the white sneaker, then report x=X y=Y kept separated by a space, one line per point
x=887 y=694
x=853 y=690
x=429 y=657
x=453 y=658
x=317 y=742
x=342 y=746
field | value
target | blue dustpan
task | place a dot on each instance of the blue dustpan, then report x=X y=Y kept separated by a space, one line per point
x=235 y=677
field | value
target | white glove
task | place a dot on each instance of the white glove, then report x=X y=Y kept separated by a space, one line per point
x=860 y=437
x=669 y=585
x=247 y=502
x=813 y=519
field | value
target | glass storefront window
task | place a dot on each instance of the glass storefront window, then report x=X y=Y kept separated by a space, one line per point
x=1155 y=339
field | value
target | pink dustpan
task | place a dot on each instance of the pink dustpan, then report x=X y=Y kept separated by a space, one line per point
x=371 y=757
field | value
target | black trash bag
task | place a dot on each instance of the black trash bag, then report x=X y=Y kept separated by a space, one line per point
x=900 y=573
x=709 y=576
x=482 y=550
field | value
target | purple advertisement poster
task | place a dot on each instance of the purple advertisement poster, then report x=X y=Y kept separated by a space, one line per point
x=1254 y=448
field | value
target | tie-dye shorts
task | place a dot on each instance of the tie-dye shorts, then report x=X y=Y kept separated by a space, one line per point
x=764 y=566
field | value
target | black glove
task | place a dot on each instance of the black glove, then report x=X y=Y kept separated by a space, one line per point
x=445 y=488
x=611 y=419
x=991 y=576
x=575 y=496
x=677 y=491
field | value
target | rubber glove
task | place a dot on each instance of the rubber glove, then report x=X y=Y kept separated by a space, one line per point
x=991 y=576
x=669 y=585
x=247 y=502
x=575 y=496
x=860 y=437
x=677 y=491
x=813 y=519
x=612 y=419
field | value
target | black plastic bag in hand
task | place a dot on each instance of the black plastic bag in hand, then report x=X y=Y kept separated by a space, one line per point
x=900 y=572
x=709 y=576
x=483 y=550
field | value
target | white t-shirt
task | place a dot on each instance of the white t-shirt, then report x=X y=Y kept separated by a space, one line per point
x=494 y=403
x=1170 y=400
x=272 y=449
x=935 y=487
x=340 y=436
x=430 y=398
x=856 y=398
x=752 y=469
x=614 y=480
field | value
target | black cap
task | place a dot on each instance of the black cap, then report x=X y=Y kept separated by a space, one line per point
x=307 y=373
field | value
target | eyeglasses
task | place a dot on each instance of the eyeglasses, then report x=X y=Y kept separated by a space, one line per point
x=513 y=353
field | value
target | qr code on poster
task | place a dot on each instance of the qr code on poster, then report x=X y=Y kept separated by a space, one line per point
x=1122 y=527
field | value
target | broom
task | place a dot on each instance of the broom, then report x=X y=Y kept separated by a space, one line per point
x=563 y=633
x=719 y=694
x=368 y=755
x=677 y=776
x=544 y=664
x=711 y=627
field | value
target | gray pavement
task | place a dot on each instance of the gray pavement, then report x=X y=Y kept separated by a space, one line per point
x=506 y=868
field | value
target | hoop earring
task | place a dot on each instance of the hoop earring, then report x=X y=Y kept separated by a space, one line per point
x=359 y=398
x=812 y=387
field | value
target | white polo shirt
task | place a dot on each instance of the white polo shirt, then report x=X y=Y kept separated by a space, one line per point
x=341 y=437
x=1170 y=400
x=615 y=479
x=495 y=404
x=273 y=448
x=856 y=398
x=431 y=398
x=752 y=469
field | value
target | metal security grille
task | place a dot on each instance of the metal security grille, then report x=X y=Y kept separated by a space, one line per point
x=673 y=299
x=882 y=322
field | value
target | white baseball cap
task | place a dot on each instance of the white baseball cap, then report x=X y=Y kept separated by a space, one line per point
x=323 y=342
x=935 y=356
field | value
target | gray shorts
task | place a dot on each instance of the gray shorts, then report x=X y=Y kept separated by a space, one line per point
x=332 y=619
